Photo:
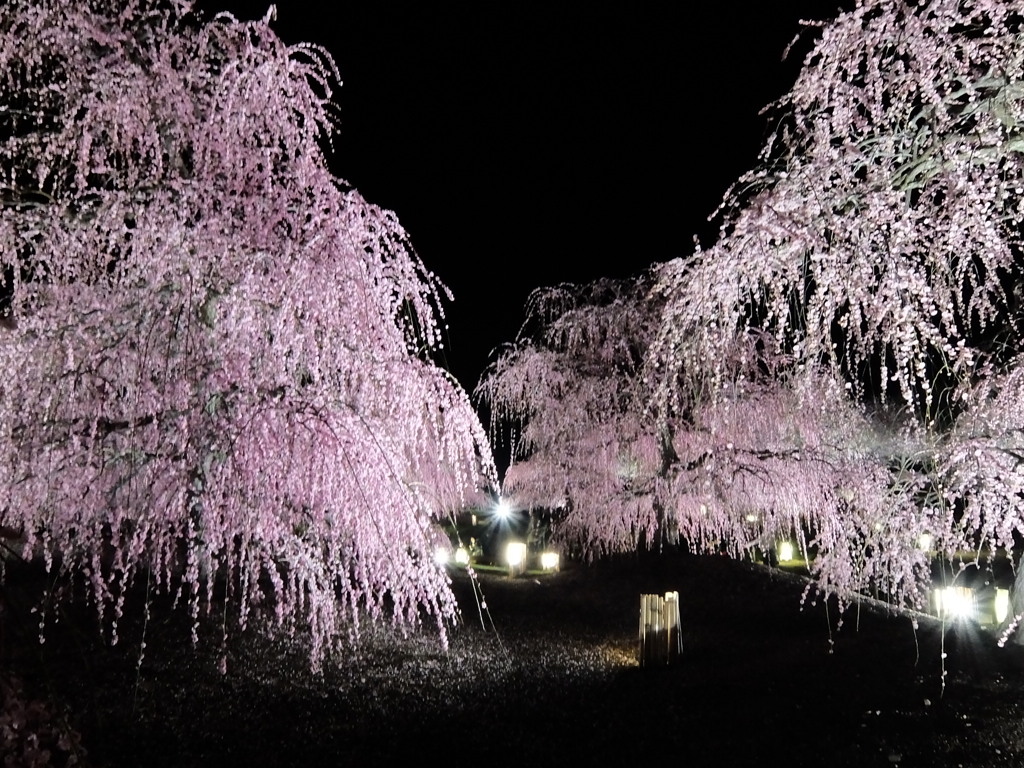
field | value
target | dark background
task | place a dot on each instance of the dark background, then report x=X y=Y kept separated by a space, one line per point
x=528 y=143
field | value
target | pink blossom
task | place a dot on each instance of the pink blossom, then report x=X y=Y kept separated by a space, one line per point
x=222 y=351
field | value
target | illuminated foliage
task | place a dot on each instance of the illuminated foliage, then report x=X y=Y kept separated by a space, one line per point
x=567 y=393
x=881 y=229
x=221 y=350
x=833 y=363
x=877 y=243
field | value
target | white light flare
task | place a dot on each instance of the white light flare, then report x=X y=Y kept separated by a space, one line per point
x=515 y=554
x=1002 y=605
x=785 y=550
x=441 y=554
x=954 y=603
x=549 y=561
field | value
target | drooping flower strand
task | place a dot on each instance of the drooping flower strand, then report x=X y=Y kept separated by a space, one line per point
x=223 y=350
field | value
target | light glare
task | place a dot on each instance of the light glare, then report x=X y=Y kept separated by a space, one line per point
x=441 y=555
x=956 y=603
x=1002 y=604
x=515 y=554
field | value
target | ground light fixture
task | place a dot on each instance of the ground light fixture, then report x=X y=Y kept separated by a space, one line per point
x=992 y=606
x=785 y=551
x=441 y=554
x=515 y=557
x=549 y=561
x=1001 y=605
x=986 y=606
x=954 y=603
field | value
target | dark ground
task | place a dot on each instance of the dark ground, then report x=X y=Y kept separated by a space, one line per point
x=762 y=681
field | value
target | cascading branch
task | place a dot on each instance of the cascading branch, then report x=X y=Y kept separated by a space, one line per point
x=215 y=348
x=843 y=361
x=770 y=457
x=877 y=244
x=880 y=233
x=568 y=392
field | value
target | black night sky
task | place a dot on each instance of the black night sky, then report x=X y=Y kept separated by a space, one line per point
x=529 y=143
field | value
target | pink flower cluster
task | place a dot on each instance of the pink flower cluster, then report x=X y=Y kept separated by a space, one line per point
x=221 y=349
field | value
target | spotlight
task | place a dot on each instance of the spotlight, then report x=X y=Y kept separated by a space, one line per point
x=1002 y=604
x=441 y=555
x=785 y=550
x=954 y=603
x=515 y=556
x=549 y=561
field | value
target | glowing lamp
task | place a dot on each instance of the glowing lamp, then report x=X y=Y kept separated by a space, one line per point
x=549 y=561
x=954 y=603
x=503 y=510
x=462 y=556
x=1002 y=604
x=785 y=550
x=441 y=555
x=992 y=606
x=925 y=541
x=515 y=554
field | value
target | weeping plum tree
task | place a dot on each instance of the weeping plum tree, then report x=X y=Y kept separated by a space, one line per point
x=566 y=393
x=218 y=353
x=879 y=234
x=877 y=244
x=735 y=472
x=842 y=363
